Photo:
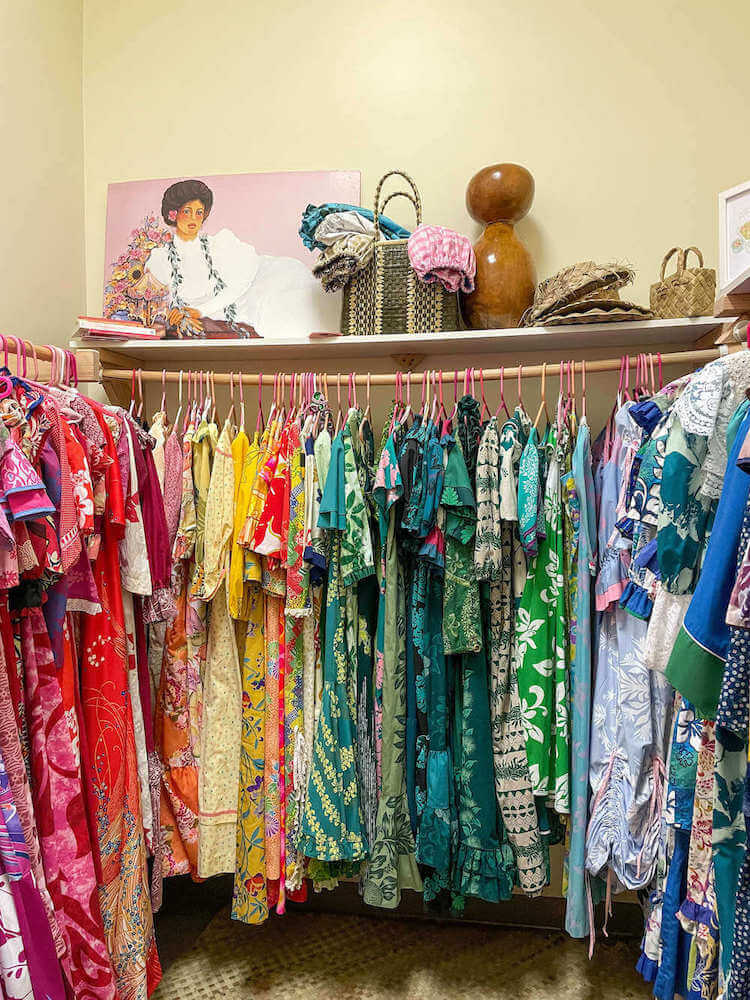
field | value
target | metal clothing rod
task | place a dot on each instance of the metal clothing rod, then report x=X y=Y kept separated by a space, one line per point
x=489 y=374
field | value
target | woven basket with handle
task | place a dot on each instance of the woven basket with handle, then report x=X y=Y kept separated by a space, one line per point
x=688 y=292
x=387 y=296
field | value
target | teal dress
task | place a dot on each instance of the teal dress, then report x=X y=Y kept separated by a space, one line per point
x=392 y=865
x=333 y=824
x=438 y=822
x=481 y=865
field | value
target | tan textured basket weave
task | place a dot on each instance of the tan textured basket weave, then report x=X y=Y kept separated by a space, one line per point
x=689 y=291
x=387 y=296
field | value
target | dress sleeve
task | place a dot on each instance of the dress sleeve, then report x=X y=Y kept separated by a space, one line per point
x=157 y=263
x=236 y=263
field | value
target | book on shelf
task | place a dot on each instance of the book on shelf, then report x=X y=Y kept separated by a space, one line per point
x=102 y=326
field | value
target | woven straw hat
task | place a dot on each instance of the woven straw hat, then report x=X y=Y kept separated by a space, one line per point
x=579 y=281
x=596 y=311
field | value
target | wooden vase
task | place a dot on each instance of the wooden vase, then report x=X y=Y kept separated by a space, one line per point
x=499 y=196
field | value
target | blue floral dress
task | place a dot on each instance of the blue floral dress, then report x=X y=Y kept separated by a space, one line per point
x=630 y=715
x=576 y=914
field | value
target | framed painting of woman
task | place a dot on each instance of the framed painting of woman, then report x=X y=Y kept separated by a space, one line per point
x=220 y=256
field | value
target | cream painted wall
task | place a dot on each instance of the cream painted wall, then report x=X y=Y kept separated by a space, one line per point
x=41 y=168
x=629 y=115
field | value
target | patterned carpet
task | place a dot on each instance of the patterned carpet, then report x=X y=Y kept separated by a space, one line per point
x=321 y=956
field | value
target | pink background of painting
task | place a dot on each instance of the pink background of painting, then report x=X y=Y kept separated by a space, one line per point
x=262 y=209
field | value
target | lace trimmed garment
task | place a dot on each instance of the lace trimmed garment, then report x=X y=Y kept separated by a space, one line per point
x=222 y=692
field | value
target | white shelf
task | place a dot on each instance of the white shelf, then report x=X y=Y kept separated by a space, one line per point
x=180 y=353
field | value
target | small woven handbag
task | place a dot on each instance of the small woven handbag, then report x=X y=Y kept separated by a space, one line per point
x=689 y=291
x=387 y=296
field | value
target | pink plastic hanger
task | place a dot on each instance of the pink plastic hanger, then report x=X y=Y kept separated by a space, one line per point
x=6 y=383
x=583 y=390
x=337 y=425
x=626 y=389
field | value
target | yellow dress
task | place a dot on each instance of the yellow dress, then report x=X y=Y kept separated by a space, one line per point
x=222 y=689
x=245 y=462
x=249 y=902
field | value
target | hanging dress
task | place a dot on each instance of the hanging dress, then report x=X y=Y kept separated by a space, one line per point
x=249 y=900
x=296 y=608
x=31 y=944
x=481 y=865
x=112 y=772
x=392 y=866
x=541 y=643
x=268 y=540
x=438 y=822
x=222 y=692
x=333 y=825
x=493 y=562
x=177 y=718
x=631 y=706
x=576 y=912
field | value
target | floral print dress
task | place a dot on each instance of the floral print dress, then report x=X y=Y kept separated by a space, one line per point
x=541 y=651
x=222 y=692
x=333 y=824
x=481 y=865
x=493 y=561
x=392 y=866
x=576 y=913
x=630 y=716
x=249 y=899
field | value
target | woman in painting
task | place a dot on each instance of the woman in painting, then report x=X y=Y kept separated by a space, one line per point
x=221 y=284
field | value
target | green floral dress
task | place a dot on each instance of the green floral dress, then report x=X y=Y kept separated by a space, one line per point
x=462 y=620
x=333 y=824
x=541 y=652
x=481 y=866
x=437 y=826
x=392 y=866
x=493 y=561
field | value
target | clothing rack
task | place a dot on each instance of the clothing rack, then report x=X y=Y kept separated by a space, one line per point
x=545 y=912
x=489 y=374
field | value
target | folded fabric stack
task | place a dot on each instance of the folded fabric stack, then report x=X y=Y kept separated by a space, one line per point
x=338 y=262
x=345 y=235
x=440 y=254
x=584 y=293
x=314 y=215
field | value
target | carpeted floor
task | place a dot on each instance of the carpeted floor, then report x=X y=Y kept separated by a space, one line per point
x=321 y=956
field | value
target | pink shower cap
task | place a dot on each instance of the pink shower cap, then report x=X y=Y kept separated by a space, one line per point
x=439 y=254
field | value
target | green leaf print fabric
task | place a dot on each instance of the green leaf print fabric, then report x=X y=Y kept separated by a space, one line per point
x=462 y=620
x=481 y=866
x=684 y=515
x=333 y=825
x=541 y=651
x=392 y=866
x=493 y=562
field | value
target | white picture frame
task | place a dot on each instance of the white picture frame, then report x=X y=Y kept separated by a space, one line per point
x=734 y=240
